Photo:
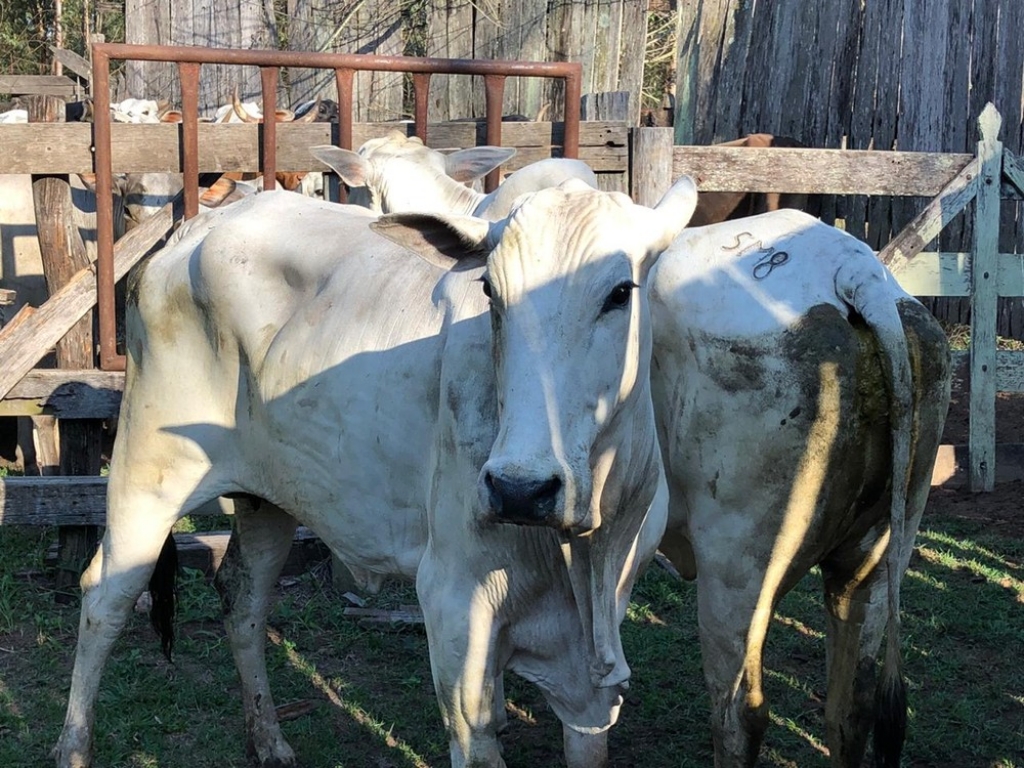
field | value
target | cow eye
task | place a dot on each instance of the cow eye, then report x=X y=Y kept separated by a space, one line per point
x=487 y=286
x=619 y=297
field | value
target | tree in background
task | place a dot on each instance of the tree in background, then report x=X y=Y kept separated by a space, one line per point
x=29 y=27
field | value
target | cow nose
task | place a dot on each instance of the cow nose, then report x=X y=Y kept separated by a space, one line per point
x=523 y=501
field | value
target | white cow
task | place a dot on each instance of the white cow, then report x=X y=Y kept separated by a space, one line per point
x=506 y=459
x=801 y=395
x=396 y=173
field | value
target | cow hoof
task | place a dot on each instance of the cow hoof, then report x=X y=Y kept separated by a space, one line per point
x=68 y=755
x=275 y=754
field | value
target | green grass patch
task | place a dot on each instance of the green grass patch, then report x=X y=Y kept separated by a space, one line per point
x=963 y=641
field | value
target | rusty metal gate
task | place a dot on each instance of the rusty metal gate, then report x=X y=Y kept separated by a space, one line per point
x=189 y=61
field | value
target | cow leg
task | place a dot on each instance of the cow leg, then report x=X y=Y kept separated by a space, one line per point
x=261 y=539
x=461 y=635
x=856 y=617
x=584 y=750
x=732 y=632
x=137 y=526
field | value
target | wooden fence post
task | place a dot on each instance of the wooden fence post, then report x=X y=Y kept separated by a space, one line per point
x=63 y=255
x=650 y=164
x=984 y=297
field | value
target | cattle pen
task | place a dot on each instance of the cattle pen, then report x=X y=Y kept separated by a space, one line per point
x=640 y=161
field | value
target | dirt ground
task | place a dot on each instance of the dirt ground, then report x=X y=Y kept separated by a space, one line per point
x=1003 y=508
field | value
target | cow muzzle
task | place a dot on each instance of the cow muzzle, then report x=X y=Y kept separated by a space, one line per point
x=519 y=498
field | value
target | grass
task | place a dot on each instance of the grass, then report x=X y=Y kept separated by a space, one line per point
x=963 y=641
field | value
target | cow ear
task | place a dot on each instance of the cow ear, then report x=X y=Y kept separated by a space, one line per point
x=670 y=216
x=352 y=167
x=476 y=162
x=443 y=240
x=674 y=211
x=171 y=116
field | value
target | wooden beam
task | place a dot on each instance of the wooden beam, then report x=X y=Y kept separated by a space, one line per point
x=53 y=500
x=924 y=227
x=205 y=551
x=68 y=394
x=946 y=273
x=1013 y=170
x=650 y=164
x=39 y=85
x=67 y=147
x=73 y=61
x=59 y=500
x=817 y=171
x=1009 y=369
x=984 y=272
x=23 y=342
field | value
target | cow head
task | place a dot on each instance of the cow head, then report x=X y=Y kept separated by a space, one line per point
x=399 y=173
x=565 y=276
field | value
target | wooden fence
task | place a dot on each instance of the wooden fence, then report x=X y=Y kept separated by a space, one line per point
x=641 y=160
x=606 y=36
x=900 y=74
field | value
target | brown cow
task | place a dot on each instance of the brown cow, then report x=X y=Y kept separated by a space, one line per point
x=713 y=207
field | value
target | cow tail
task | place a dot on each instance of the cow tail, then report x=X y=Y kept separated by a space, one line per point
x=163 y=590
x=872 y=295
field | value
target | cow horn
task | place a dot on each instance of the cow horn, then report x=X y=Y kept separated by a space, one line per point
x=541 y=113
x=244 y=116
x=311 y=113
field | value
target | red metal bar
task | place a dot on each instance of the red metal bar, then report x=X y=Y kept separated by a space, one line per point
x=109 y=359
x=344 y=65
x=188 y=74
x=268 y=79
x=421 y=94
x=573 y=96
x=343 y=77
x=494 y=98
x=358 y=62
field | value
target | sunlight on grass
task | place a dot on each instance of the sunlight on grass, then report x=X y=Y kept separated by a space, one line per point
x=354 y=711
x=926 y=579
x=995 y=576
x=799 y=626
x=796 y=730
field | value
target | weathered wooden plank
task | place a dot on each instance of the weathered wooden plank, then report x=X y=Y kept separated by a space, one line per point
x=450 y=36
x=955 y=105
x=1009 y=369
x=72 y=61
x=939 y=212
x=818 y=171
x=982 y=440
x=53 y=500
x=630 y=52
x=40 y=85
x=651 y=164
x=23 y=344
x=1013 y=169
x=948 y=273
x=951 y=468
x=66 y=147
x=69 y=394
x=921 y=117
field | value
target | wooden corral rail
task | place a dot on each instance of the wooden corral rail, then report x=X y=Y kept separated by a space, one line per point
x=67 y=147
x=953 y=180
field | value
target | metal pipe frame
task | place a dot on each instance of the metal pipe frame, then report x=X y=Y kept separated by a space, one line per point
x=190 y=59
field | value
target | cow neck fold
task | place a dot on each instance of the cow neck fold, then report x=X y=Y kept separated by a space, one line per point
x=602 y=563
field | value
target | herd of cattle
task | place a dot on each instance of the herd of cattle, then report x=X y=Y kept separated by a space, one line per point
x=514 y=400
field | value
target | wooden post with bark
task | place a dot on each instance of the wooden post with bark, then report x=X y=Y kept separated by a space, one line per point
x=63 y=255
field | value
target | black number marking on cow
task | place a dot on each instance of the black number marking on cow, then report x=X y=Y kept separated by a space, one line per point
x=767 y=263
